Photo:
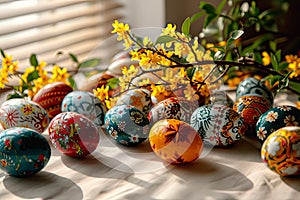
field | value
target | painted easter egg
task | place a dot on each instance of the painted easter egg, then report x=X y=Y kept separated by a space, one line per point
x=276 y=118
x=23 y=113
x=73 y=134
x=127 y=125
x=85 y=103
x=218 y=125
x=139 y=98
x=280 y=151
x=175 y=141
x=23 y=151
x=252 y=86
x=251 y=108
x=51 y=96
x=172 y=108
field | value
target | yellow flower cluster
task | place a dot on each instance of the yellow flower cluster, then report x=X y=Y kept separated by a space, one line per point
x=294 y=65
x=57 y=75
x=157 y=59
x=9 y=67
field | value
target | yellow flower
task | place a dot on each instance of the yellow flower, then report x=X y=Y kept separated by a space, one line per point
x=102 y=93
x=59 y=74
x=233 y=82
x=13 y=67
x=266 y=58
x=119 y=27
x=3 y=78
x=292 y=58
x=298 y=104
x=25 y=74
x=169 y=30
x=7 y=61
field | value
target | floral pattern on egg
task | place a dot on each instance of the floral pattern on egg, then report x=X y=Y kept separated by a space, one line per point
x=127 y=125
x=139 y=98
x=73 y=134
x=23 y=151
x=275 y=118
x=281 y=151
x=251 y=108
x=23 y=113
x=85 y=103
x=218 y=125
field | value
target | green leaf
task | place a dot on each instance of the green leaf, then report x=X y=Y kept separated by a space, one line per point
x=73 y=57
x=13 y=96
x=221 y=6
x=274 y=62
x=273 y=45
x=283 y=65
x=2 y=53
x=209 y=18
x=164 y=39
x=229 y=42
x=278 y=55
x=33 y=60
x=295 y=86
x=185 y=28
x=190 y=72
x=113 y=83
x=73 y=83
x=237 y=34
x=207 y=7
x=32 y=76
x=89 y=63
x=197 y=16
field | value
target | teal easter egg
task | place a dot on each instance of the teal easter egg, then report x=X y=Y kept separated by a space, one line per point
x=85 y=103
x=254 y=87
x=23 y=113
x=276 y=118
x=127 y=125
x=218 y=125
x=23 y=151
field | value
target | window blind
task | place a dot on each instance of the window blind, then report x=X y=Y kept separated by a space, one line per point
x=45 y=27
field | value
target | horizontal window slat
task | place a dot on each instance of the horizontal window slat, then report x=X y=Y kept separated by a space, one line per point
x=13 y=11
x=51 y=19
x=53 y=31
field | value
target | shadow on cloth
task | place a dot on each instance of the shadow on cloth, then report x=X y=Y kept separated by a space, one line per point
x=43 y=185
x=292 y=182
x=210 y=179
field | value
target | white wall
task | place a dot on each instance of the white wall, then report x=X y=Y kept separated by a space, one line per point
x=144 y=13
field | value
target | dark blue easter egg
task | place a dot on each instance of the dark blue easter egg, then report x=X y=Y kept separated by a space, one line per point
x=85 y=103
x=276 y=118
x=23 y=151
x=127 y=125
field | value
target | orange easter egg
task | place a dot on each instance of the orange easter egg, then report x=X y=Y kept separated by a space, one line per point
x=175 y=141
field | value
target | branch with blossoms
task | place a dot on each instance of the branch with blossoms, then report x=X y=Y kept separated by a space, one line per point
x=182 y=66
x=36 y=76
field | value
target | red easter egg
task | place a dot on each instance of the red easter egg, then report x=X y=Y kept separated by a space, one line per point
x=73 y=134
x=51 y=96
